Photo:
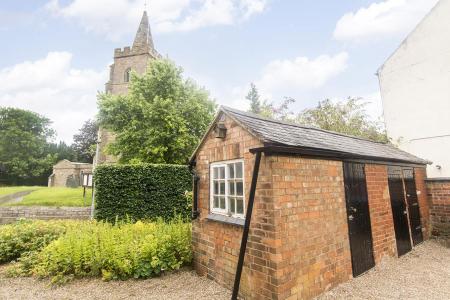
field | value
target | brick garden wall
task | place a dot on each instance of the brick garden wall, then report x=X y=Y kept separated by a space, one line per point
x=382 y=222
x=439 y=199
x=12 y=214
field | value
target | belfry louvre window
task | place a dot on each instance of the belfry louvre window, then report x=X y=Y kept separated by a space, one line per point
x=227 y=188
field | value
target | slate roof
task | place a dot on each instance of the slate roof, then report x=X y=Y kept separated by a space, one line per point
x=278 y=133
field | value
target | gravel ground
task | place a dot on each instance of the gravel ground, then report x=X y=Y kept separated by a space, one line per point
x=183 y=284
x=424 y=273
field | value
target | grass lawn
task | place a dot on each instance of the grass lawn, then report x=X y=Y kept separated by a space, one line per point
x=56 y=196
x=14 y=189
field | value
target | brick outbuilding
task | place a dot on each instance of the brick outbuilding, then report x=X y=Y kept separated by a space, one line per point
x=319 y=207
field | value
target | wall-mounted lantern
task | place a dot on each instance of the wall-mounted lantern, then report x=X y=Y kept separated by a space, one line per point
x=220 y=130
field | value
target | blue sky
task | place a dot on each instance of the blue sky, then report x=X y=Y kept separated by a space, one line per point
x=55 y=54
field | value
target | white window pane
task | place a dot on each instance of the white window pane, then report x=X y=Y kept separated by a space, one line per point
x=216 y=202
x=239 y=205
x=231 y=189
x=231 y=170
x=216 y=188
x=238 y=170
x=222 y=202
x=232 y=205
x=222 y=172
x=222 y=188
x=215 y=173
x=239 y=188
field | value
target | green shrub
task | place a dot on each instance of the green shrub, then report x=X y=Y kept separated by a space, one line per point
x=118 y=251
x=143 y=191
x=28 y=236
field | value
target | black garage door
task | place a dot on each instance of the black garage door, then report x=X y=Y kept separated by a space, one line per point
x=359 y=227
x=413 y=205
x=399 y=212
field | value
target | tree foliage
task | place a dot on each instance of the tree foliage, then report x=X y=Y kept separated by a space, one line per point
x=162 y=118
x=253 y=98
x=23 y=144
x=268 y=109
x=61 y=151
x=85 y=141
x=347 y=117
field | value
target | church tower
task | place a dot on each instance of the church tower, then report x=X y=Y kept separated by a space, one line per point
x=126 y=60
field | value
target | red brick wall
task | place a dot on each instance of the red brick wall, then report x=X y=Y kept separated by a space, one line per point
x=383 y=233
x=439 y=199
x=420 y=174
x=298 y=243
x=216 y=245
x=312 y=228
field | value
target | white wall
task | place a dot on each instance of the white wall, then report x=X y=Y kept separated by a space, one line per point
x=415 y=88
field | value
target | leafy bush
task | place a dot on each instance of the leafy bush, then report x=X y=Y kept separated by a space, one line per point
x=118 y=251
x=27 y=236
x=143 y=191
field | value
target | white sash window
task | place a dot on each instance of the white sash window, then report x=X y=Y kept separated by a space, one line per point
x=227 y=188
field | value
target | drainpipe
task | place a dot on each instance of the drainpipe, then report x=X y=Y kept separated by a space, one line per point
x=195 y=181
x=248 y=217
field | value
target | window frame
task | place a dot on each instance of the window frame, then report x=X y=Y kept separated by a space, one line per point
x=226 y=211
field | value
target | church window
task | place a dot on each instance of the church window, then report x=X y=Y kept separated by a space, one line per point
x=127 y=75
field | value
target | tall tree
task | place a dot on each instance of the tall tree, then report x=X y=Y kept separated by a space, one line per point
x=253 y=98
x=269 y=109
x=61 y=151
x=23 y=143
x=85 y=141
x=348 y=117
x=162 y=118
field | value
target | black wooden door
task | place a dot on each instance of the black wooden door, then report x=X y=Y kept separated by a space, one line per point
x=359 y=228
x=413 y=206
x=399 y=213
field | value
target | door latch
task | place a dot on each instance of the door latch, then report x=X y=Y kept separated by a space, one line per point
x=350 y=218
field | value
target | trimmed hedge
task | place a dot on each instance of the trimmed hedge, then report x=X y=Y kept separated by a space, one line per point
x=143 y=191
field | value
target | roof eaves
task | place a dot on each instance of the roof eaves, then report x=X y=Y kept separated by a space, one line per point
x=318 y=152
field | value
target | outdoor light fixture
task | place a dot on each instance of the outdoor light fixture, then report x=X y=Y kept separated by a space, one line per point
x=220 y=131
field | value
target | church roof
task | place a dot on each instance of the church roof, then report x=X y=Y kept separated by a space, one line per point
x=143 y=41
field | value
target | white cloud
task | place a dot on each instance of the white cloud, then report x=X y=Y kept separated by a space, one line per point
x=382 y=19
x=118 y=18
x=299 y=78
x=52 y=87
x=300 y=73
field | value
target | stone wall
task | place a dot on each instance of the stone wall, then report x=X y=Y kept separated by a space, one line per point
x=439 y=199
x=14 y=213
x=68 y=174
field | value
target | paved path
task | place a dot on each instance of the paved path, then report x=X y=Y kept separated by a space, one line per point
x=14 y=198
x=424 y=273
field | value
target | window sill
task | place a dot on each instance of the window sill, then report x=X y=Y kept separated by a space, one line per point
x=225 y=219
